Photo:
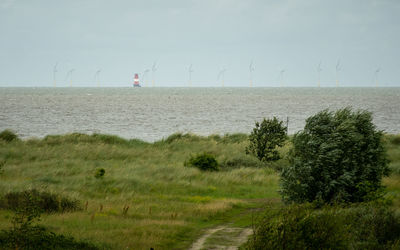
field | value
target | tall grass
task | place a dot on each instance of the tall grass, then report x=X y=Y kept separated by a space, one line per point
x=168 y=203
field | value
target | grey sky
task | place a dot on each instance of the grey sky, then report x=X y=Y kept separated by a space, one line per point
x=126 y=37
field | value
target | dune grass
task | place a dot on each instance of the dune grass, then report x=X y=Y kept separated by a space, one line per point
x=169 y=204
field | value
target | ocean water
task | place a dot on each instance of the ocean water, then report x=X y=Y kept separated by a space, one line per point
x=153 y=113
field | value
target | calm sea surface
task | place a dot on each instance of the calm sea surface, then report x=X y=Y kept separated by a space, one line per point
x=153 y=113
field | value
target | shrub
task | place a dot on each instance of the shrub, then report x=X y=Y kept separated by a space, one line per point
x=265 y=138
x=100 y=173
x=25 y=235
x=8 y=136
x=47 y=202
x=362 y=226
x=204 y=162
x=337 y=157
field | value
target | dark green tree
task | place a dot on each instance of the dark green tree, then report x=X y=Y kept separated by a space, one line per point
x=338 y=156
x=265 y=138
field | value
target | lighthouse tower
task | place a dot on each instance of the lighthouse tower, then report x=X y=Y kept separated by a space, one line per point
x=136 y=81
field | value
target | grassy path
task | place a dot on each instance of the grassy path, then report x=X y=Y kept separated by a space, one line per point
x=222 y=237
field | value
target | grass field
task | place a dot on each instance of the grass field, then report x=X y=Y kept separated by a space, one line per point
x=169 y=204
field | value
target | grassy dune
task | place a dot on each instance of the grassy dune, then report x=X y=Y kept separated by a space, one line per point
x=169 y=204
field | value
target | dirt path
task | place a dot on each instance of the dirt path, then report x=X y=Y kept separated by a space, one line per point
x=222 y=237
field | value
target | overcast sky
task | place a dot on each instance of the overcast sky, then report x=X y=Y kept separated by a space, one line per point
x=124 y=37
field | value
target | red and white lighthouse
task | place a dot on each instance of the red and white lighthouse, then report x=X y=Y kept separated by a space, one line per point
x=136 y=81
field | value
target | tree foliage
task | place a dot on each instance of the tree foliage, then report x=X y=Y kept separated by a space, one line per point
x=265 y=138
x=337 y=157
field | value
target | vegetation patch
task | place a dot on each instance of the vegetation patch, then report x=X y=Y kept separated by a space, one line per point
x=8 y=136
x=204 y=162
x=360 y=226
x=26 y=234
x=46 y=201
x=100 y=173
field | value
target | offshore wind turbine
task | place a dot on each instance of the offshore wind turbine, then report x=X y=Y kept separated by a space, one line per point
x=376 y=76
x=281 y=76
x=221 y=74
x=54 y=74
x=153 y=70
x=97 y=78
x=69 y=75
x=251 y=70
x=319 y=69
x=190 y=75
x=144 y=75
x=338 y=68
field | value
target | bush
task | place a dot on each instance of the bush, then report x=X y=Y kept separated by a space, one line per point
x=265 y=139
x=8 y=136
x=100 y=173
x=362 y=226
x=337 y=157
x=204 y=162
x=46 y=201
x=25 y=235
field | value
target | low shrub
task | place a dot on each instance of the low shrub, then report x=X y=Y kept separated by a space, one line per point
x=204 y=162
x=8 y=136
x=100 y=173
x=37 y=237
x=24 y=234
x=48 y=202
x=361 y=226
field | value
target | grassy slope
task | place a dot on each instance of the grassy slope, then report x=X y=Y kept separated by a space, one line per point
x=169 y=204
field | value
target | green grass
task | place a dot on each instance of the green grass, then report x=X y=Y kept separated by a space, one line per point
x=169 y=204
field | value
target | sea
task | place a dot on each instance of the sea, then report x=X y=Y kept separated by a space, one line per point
x=151 y=114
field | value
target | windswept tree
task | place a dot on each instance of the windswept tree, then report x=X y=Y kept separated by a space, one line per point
x=265 y=138
x=338 y=156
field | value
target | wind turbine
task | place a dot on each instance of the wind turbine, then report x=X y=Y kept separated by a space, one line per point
x=338 y=68
x=69 y=75
x=54 y=74
x=97 y=78
x=281 y=76
x=319 y=69
x=144 y=75
x=221 y=74
x=376 y=76
x=251 y=70
x=153 y=70
x=190 y=75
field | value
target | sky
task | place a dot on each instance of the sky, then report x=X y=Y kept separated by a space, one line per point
x=124 y=37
